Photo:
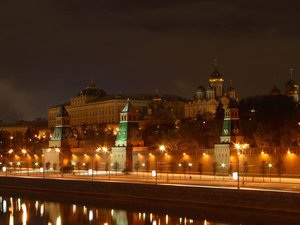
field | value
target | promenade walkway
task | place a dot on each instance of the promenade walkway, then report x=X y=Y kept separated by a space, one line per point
x=283 y=184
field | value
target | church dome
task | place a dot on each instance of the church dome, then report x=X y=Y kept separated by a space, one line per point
x=92 y=90
x=200 y=89
x=275 y=91
x=216 y=76
x=291 y=85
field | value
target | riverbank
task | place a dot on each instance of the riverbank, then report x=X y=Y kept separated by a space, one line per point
x=184 y=196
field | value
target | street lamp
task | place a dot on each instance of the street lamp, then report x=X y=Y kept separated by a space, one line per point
x=270 y=167
x=161 y=148
x=223 y=165
x=239 y=148
x=190 y=165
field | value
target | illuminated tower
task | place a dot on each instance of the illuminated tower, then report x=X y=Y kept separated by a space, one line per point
x=216 y=81
x=128 y=138
x=62 y=130
x=59 y=152
x=231 y=134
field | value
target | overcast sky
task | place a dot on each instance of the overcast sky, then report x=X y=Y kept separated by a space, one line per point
x=51 y=49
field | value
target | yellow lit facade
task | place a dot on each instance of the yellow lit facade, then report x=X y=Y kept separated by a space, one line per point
x=92 y=107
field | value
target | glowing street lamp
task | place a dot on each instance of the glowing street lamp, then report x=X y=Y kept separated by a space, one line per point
x=161 y=148
x=239 y=148
x=223 y=165
x=270 y=168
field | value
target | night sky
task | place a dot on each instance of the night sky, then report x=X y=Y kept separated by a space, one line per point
x=51 y=49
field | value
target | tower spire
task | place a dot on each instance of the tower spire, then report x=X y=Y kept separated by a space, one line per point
x=291 y=73
x=216 y=62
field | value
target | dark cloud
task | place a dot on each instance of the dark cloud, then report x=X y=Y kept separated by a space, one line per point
x=51 y=49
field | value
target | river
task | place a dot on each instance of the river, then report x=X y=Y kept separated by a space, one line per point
x=28 y=209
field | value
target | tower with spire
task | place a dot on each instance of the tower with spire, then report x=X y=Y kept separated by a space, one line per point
x=59 y=152
x=231 y=134
x=291 y=87
x=129 y=139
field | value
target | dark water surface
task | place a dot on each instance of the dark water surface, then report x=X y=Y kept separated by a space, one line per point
x=50 y=209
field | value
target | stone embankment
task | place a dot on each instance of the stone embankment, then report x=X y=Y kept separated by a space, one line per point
x=189 y=196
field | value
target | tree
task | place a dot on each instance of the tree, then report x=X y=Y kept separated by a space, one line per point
x=230 y=170
x=269 y=121
x=184 y=167
x=280 y=167
x=245 y=169
x=173 y=167
x=263 y=169
x=116 y=167
x=137 y=166
x=200 y=169
x=214 y=169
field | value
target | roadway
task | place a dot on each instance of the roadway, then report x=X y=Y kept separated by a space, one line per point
x=258 y=183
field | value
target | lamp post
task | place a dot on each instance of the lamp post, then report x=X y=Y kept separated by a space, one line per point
x=270 y=167
x=239 y=148
x=190 y=166
x=161 y=148
x=223 y=165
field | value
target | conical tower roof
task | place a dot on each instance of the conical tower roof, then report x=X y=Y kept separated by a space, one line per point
x=62 y=112
x=128 y=107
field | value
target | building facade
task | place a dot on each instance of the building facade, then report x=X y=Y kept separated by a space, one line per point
x=93 y=106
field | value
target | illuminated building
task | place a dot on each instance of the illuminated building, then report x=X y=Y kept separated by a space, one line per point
x=93 y=106
x=206 y=101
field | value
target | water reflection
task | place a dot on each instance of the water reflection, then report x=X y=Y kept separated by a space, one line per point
x=26 y=212
x=19 y=211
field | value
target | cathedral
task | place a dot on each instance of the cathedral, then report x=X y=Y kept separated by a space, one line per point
x=291 y=88
x=206 y=101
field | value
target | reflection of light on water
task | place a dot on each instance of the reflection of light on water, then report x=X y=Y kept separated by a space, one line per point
x=140 y=216
x=144 y=216
x=167 y=219
x=120 y=217
x=4 y=206
x=74 y=208
x=42 y=210
x=19 y=204
x=97 y=214
x=205 y=222
x=24 y=216
x=112 y=212
x=151 y=217
x=36 y=205
x=180 y=220
x=154 y=222
x=84 y=210
x=91 y=216
x=11 y=219
x=184 y=221
x=58 y=221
